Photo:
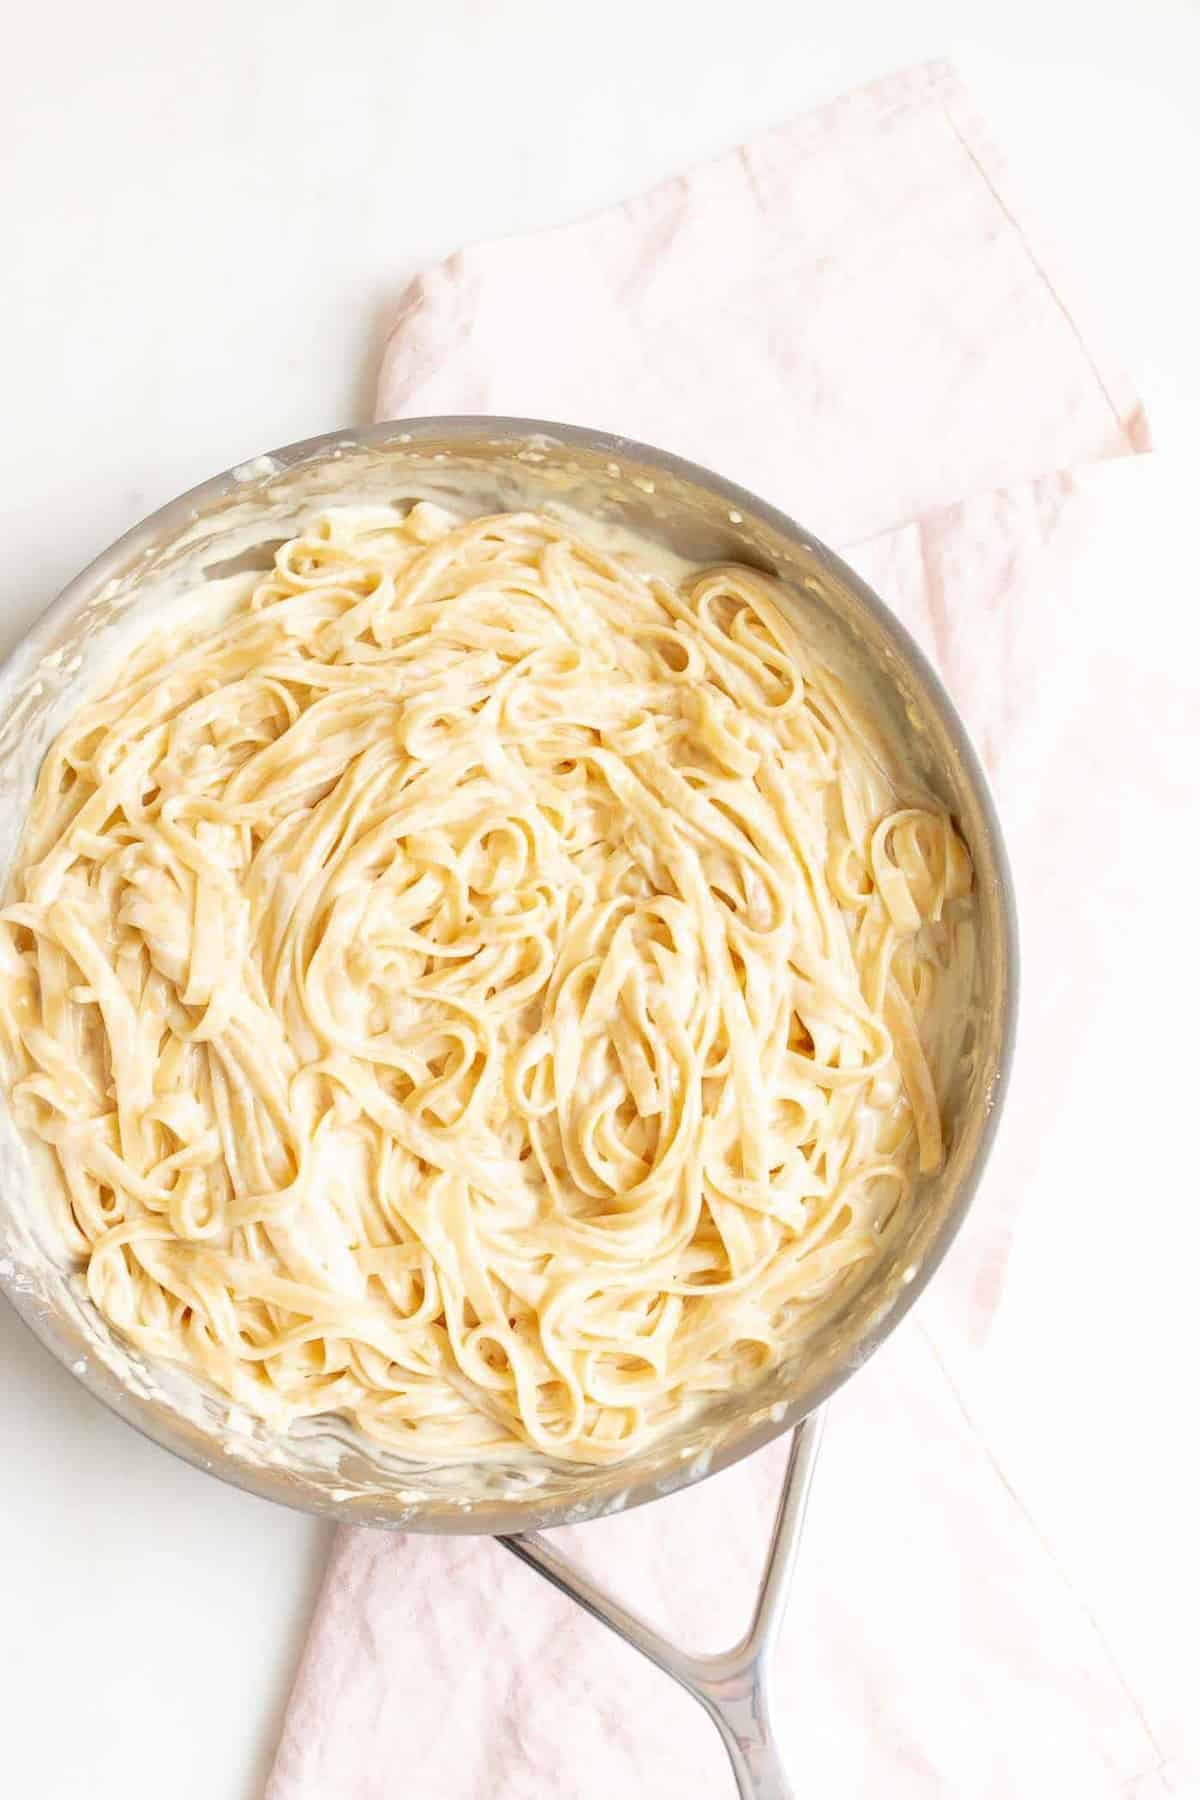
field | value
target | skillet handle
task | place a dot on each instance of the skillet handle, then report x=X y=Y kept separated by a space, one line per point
x=733 y=1685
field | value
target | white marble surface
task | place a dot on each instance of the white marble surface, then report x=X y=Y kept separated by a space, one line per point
x=208 y=214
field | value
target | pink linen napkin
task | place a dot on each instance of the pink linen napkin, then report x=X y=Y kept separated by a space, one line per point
x=850 y=317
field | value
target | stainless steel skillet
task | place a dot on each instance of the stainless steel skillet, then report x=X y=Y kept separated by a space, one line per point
x=233 y=522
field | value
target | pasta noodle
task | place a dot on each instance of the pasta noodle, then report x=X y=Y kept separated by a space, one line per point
x=479 y=987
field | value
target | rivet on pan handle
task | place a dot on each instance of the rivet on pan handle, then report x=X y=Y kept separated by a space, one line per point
x=733 y=1685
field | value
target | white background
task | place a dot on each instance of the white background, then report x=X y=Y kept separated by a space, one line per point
x=208 y=213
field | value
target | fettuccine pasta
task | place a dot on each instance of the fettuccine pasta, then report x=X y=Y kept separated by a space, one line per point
x=479 y=987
